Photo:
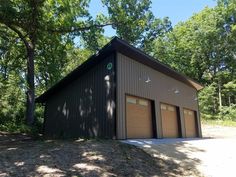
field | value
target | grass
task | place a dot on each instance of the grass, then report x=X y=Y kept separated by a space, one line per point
x=20 y=127
x=228 y=123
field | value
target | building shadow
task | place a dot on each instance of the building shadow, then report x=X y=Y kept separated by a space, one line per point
x=85 y=158
x=178 y=153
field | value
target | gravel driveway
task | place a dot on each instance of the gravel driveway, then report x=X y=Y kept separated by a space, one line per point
x=212 y=156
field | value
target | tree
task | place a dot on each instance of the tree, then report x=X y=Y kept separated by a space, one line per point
x=45 y=29
x=31 y=18
x=11 y=83
x=204 y=48
x=135 y=23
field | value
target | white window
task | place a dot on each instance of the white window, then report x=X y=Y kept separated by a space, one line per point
x=163 y=107
x=171 y=108
x=131 y=100
x=143 y=102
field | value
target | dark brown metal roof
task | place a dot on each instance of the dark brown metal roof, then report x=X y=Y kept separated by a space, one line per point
x=123 y=47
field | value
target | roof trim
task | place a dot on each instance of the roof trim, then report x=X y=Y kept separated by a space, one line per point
x=123 y=47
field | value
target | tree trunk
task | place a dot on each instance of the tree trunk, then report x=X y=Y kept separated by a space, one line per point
x=219 y=93
x=30 y=94
x=229 y=100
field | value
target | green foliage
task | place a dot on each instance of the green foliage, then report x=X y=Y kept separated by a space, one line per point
x=27 y=26
x=130 y=17
x=76 y=57
x=208 y=100
x=204 y=48
x=135 y=23
x=12 y=99
x=47 y=30
x=228 y=112
x=229 y=91
x=12 y=106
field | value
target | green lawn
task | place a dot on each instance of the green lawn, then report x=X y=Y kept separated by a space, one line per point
x=220 y=122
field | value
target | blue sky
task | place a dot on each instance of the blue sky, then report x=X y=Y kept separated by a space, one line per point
x=176 y=10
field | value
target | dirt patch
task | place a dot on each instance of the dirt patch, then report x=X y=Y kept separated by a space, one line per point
x=6 y=138
x=78 y=158
x=20 y=155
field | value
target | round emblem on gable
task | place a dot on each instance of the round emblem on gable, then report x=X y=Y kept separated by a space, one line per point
x=109 y=66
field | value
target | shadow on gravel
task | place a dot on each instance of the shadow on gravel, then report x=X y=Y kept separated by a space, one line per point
x=82 y=158
x=175 y=152
x=6 y=137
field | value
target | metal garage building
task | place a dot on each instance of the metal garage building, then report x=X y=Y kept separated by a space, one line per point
x=122 y=93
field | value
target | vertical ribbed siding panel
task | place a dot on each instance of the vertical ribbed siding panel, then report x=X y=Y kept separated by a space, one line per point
x=83 y=108
x=119 y=113
x=182 y=122
x=131 y=77
x=199 y=126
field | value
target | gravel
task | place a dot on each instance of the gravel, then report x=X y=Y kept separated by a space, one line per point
x=214 y=155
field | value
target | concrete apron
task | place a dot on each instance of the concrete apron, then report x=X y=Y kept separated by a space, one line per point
x=200 y=156
x=149 y=142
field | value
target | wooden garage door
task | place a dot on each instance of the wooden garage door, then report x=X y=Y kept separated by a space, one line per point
x=138 y=118
x=190 y=123
x=169 y=121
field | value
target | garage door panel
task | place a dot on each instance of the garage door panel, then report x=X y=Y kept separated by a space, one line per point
x=169 y=121
x=190 y=123
x=138 y=118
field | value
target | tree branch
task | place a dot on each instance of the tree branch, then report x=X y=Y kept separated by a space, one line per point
x=21 y=36
x=77 y=29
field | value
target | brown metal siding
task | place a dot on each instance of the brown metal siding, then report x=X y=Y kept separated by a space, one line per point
x=86 y=107
x=131 y=79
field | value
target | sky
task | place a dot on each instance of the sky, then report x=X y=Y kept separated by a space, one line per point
x=176 y=10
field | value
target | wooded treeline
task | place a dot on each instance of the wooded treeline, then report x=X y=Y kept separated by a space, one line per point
x=204 y=48
x=42 y=40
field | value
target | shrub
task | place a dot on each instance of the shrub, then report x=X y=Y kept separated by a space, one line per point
x=228 y=112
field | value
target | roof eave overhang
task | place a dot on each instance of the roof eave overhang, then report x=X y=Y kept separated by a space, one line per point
x=123 y=47
x=109 y=48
